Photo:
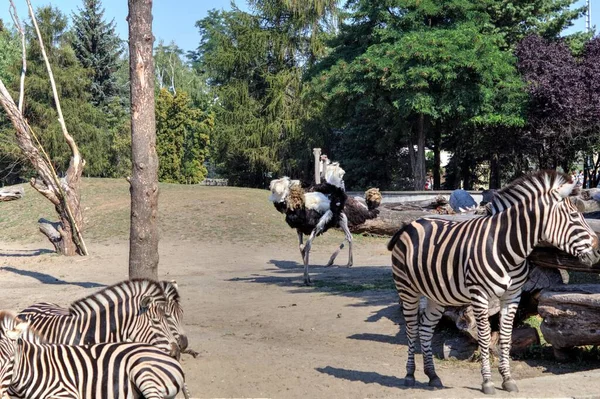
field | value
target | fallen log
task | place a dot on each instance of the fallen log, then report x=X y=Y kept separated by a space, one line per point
x=11 y=193
x=571 y=315
x=438 y=201
x=388 y=222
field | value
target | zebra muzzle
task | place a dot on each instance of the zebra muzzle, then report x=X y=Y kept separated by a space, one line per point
x=589 y=258
x=183 y=342
x=175 y=351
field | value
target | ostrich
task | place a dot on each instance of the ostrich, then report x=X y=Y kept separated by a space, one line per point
x=321 y=207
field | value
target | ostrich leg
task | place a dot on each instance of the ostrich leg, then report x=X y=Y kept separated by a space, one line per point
x=316 y=231
x=348 y=237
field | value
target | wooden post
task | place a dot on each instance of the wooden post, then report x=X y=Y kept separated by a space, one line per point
x=317 y=155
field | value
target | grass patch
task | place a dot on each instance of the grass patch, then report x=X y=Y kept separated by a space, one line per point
x=185 y=212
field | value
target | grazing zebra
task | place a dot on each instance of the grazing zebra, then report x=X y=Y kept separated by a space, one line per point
x=133 y=310
x=109 y=370
x=175 y=316
x=470 y=262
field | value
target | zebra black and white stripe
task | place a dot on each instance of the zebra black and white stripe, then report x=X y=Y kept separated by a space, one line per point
x=109 y=370
x=174 y=314
x=130 y=311
x=457 y=263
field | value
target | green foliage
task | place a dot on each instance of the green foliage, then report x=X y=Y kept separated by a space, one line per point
x=86 y=123
x=182 y=137
x=254 y=64
x=97 y=47
x=517 y=19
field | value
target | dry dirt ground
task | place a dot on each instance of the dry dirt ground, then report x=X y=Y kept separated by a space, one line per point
x=262 y=334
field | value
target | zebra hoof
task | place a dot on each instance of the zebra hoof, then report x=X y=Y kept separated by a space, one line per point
x=510 y=386
x=488 y=388
x=435 y=382
x=409 y=381
x=307 y=283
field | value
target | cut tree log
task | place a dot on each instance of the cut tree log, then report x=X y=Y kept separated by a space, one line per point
x=440 y=200
x=11 y=193
x=571 y=315
x=388 y=222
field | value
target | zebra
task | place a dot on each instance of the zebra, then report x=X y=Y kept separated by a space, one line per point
x=130 y=311
x=108 y=370
x=469 y=262
x=175 y=316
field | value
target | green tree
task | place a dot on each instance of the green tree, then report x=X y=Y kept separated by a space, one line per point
x=97 y=48
x=254 y=63
x=427 y=66
x=174 y=73
x=86 y=123
x=182 y=136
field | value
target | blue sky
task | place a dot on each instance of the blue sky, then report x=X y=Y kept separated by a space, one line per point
x=175 y=20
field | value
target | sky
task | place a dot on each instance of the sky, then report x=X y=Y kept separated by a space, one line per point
x=174 y=20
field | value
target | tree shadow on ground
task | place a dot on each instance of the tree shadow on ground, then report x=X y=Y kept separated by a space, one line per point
x=373 y=285
x=23 y=253
x=370 y=377
x=49 y=279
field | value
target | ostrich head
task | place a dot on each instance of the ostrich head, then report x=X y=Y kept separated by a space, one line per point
x=280 y=188
x=373 y=198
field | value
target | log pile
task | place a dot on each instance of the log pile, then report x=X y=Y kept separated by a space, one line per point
x=571 y=315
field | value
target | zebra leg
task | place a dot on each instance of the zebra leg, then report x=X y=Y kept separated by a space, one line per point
x=410 y=309
x=480 y=309
x=507 y=315
x=430 y=319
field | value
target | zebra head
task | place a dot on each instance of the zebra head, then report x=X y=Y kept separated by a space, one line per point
x=174 y=313
x=566 y=228
x=152 y=326
x=11 y=329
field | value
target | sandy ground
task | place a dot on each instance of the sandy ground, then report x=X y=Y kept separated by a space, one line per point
x=261 y=333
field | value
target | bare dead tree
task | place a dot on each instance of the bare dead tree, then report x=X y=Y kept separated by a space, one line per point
x=64 y=192
x=143 y=239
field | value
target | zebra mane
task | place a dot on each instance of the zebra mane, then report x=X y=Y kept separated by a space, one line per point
x=534 y=184
x=134 y=288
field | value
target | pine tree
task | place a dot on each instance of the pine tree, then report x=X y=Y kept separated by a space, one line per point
x=97 y=48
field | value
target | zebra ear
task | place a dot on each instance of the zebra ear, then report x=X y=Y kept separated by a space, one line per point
x=174 y=284
x=18 y=330
x=565 y=189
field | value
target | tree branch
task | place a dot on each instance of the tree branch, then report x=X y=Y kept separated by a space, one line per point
x=76 y=155
x=17 y=22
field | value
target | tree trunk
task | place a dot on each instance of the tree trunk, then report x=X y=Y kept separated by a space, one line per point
x=420 y=158
x=62 y=193
x=143 y=240
x=437 y=161
x=495 y=172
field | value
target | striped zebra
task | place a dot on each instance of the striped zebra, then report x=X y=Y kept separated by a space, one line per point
x=174 y=314
x=109 y=370
x=470 y=262
x=130 y=311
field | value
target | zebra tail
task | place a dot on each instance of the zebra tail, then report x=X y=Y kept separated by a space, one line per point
x=186 y=392
x=392 y=243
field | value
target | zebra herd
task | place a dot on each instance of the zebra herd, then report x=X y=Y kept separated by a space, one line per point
x=121 y=342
